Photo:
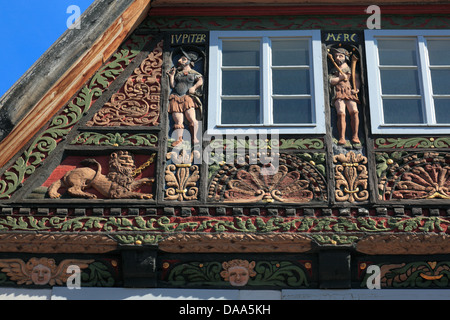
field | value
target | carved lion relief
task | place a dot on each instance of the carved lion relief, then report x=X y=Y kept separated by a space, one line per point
x=118 y=183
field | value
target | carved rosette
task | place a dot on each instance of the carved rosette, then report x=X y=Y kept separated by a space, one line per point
x=414 y=176
x=292 y=181
x=138 y=102
x=351 y=177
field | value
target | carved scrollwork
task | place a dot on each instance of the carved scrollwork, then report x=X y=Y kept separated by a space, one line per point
x=138 y=102
x=182 y=176
x=351 y=177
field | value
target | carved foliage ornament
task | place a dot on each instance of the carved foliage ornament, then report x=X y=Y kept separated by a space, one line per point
x=351 y=177
x=292 y=181
x=238 y=273
x=138 y=103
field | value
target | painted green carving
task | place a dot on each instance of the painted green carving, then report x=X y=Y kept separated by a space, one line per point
x=138 y=239
x=384 y=160
x=97 y=275
x=300 y=144
x=207 y=273
x=262 y=144
x=418 y=274
x=336 y=239
x=60 y=125
x=318 y=160
x=116 y=139
x=137 y=224
x=268 y=273
x=416 y=142
x=283 y=273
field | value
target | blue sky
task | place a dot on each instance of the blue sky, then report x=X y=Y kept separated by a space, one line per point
x=27 y=29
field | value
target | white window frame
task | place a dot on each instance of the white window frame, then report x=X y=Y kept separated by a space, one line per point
x=266 y=127
x=374 y=82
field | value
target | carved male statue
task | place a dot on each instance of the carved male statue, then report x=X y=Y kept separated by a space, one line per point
x=184 y=82
x=345 y=94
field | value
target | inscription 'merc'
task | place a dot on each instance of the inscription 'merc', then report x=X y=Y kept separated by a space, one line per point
x=344 y=37
x=188 y=38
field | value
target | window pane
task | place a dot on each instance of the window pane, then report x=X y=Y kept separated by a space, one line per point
x=440 y=80
x=400 y=82
x=240 y=53
x=240 y=82
x=240 y=112
x=291 y=81
x=402 y=111
x=442 y=107
x=292 y=111
x=397 y=52
x=290 y=52
x=438 y=51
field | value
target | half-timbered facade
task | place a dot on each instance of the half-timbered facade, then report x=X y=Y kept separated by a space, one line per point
x=284 y=146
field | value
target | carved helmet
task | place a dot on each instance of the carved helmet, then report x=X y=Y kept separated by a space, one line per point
x=342 y=51
x=191 y=55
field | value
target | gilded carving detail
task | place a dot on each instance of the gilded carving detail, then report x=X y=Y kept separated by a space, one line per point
x=138 y=103
x=351 y=177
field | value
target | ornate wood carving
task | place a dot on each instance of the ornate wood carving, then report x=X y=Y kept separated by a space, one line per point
x=414 y=175
x=416 y=142
x=235 y=242
x=351 y=177
x=182 y=176
x=239 y=272
x=293 y=181
x=403 y=244
x=40 y=271
x=138 y=103
x=118 y=183
x=410 y=274
x=45 y=143
x=56 y=243
x=116 y=139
